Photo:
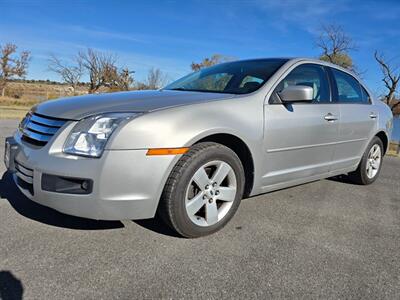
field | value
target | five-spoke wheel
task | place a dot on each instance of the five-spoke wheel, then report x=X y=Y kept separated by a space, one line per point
x=203 y=191
x=374 y=161
x=210 y=193
x=370 y=164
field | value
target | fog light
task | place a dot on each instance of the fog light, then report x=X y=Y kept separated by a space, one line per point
x=85 y=185
x=67 y=185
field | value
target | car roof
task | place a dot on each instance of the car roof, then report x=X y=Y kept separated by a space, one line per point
x=322 y=62
x=304 y=59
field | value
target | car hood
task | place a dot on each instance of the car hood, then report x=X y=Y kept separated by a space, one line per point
x=76 y=108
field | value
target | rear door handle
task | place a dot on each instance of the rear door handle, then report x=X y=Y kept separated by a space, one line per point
x=330 y=118
x=373 y=115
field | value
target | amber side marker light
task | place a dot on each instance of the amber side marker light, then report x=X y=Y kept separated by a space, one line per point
x=167 y=151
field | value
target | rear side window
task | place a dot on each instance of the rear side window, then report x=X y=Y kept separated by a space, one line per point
x=366 y=98
x=349 y=89
x=310 y=75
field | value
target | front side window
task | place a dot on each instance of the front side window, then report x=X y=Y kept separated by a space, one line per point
x=310 y=75
x=239 y=77
x=349 y=89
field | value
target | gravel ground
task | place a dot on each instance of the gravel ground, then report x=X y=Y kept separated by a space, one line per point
x=327 y=239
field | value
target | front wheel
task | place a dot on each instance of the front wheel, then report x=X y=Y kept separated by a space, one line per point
x=370 y=164
x=203 y=191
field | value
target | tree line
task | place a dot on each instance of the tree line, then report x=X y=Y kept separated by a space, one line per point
x=104 y=71
x=101 y=68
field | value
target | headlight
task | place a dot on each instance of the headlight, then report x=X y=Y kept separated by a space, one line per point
x=90 y=135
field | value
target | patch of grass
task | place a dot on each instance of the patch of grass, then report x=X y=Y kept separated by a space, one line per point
x=10 y=112
x=12 y=108
x=392 y=151
x=22 y=102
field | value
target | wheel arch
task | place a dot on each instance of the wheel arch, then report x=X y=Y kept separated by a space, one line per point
x=241 y=149
x=385 y=140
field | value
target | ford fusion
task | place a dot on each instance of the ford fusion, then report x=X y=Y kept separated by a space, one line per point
x=192 y=150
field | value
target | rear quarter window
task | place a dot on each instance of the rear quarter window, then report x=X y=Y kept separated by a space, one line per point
x=366 y=98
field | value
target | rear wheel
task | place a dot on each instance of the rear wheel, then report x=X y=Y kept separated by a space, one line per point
x=203 y=191
x=370 y=165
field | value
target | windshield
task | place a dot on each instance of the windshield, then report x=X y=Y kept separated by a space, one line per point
x=239 y=77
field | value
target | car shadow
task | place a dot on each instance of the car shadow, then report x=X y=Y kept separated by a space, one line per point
x=10 y=286
x=158 y=226
x=46 y=215
x=341 y=178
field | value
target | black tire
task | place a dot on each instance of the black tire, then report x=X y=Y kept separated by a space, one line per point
x=359 y=176
x=172 y=203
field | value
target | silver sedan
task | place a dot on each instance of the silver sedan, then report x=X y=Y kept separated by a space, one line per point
x=191 y=151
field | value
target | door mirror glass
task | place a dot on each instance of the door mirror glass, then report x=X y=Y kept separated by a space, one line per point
x=294 y=93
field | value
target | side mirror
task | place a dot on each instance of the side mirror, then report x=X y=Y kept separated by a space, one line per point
x=294 y=93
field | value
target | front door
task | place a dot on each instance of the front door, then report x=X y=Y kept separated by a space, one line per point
x=299 y=138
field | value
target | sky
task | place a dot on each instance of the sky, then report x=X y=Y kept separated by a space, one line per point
x=170 y=35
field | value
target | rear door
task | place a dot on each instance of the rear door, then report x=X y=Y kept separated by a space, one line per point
x=358 y=119
x=300 y=137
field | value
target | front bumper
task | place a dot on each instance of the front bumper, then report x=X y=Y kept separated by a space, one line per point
x=127 y=184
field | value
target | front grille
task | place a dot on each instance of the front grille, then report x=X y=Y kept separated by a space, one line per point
x=38 y=129
x=25 y=177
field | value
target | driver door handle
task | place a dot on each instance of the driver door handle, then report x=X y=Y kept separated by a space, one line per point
x=373 y=115
x=330 y=118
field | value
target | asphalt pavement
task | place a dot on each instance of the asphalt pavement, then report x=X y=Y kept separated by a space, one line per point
x=328 y=239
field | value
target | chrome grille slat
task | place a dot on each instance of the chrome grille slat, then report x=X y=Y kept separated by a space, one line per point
x=36 y=136
x=42 y=129
x=48 y=122
x=38 y=129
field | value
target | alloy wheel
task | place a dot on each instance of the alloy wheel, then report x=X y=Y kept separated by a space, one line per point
x=211 y=193
x=373 y=161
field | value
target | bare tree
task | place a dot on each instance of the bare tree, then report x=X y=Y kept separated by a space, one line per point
x=335 y=45
x=120 y=80
x=125 y=79
x=100 y=67
x=11 y=65
x=391 y=77
x=70 y=74
x=210 y=61
x=155 y=79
